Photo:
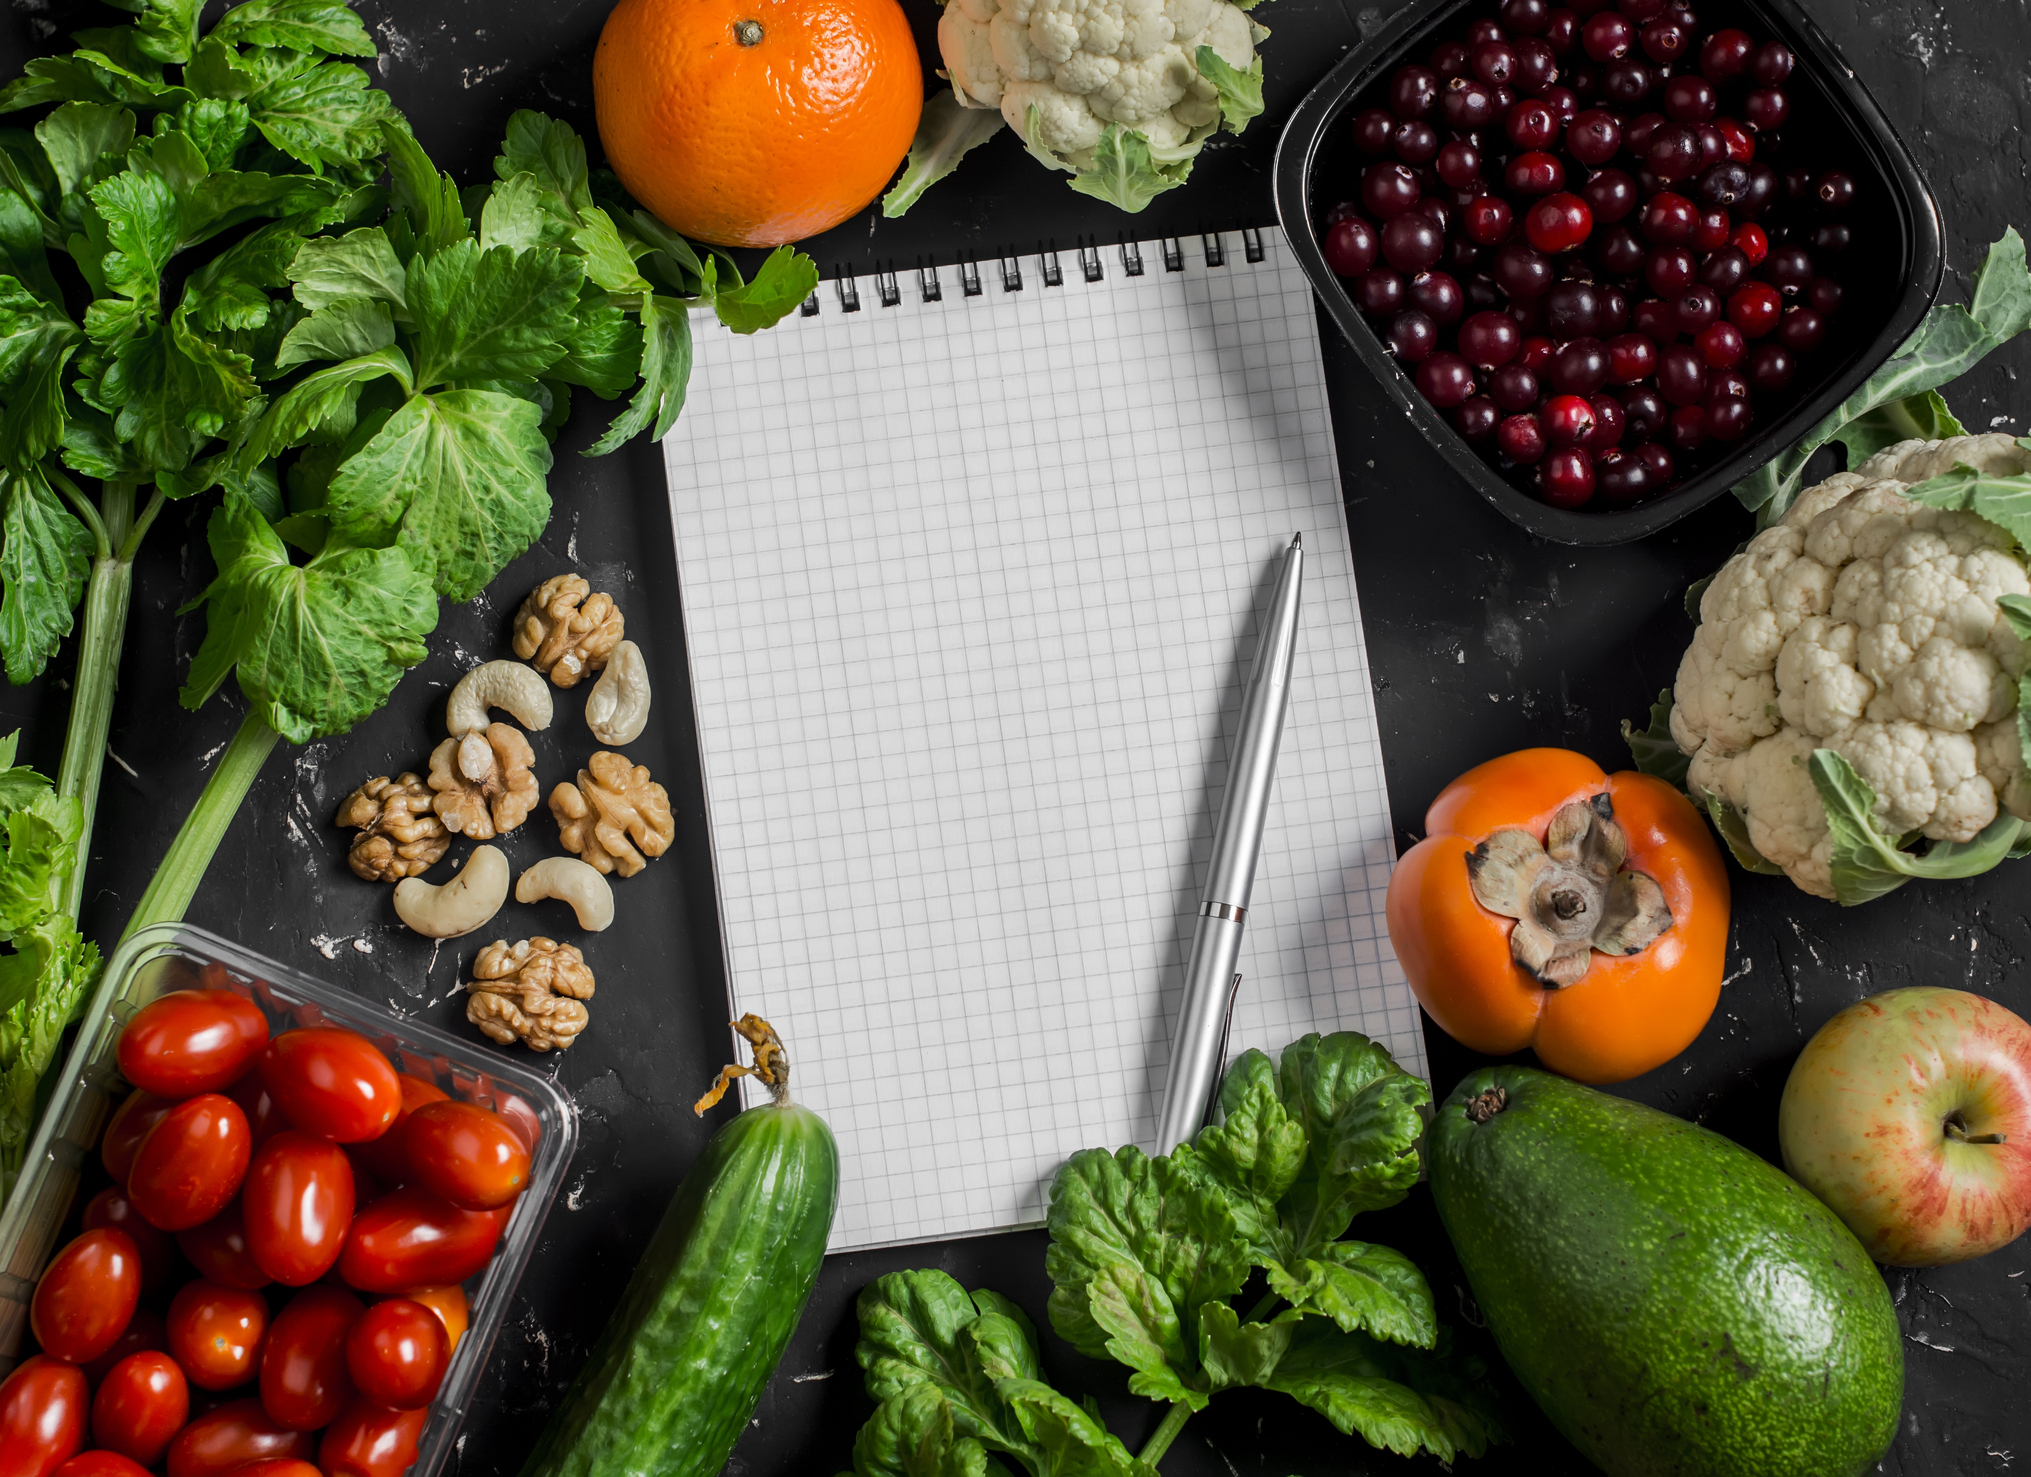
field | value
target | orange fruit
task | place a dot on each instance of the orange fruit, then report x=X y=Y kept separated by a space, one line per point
x=756 y=122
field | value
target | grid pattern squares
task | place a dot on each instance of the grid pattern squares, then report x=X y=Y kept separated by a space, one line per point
x=970 y=589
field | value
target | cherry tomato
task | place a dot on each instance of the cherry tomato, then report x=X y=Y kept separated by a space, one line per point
x=397 y=1354
x=265 y=1117
x=101 y=1464
x=145 y=1332
x=86 y=1296
x=466 y=1154
x=333 y=1083
x=303 y=1368
x=367 y=1186
x=385 y=1156
x=216 y=1332
x=412 y=1236
x=298 y=1204
x=111 y=1209
x=138 y=1113
x=447 y=1301
x=191 y=1164
x=236 y=1433
x=368 y=1441
x=519 y=1116
x=142 y=1403
x=42 y=1417
x=219 y=1251
x=191 y=1041
x=276 y=1466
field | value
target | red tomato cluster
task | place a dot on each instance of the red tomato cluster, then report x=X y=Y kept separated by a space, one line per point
x=319 y=1211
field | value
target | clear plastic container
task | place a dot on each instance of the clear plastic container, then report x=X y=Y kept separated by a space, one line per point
x=174 y=956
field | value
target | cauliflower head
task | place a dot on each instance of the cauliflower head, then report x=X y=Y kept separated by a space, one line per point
x=1122 y=94
x=1871 y=625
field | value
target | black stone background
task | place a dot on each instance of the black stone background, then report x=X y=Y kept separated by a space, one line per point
x=1481 y=641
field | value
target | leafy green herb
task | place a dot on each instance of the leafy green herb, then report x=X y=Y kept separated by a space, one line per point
x=1147 y=1256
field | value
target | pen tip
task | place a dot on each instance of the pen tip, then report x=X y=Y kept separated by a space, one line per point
x=1297 y=541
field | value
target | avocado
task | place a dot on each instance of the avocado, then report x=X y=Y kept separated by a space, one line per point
x=1678 y=1307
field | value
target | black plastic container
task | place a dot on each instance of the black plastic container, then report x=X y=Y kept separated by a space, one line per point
x=1890 y=273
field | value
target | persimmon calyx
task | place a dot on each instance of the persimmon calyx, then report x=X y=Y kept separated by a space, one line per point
x=1570 y=895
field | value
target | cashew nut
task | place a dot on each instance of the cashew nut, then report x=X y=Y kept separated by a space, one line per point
x=618 y=709
x=503 y=684
x=569 y=880
x=464 y=903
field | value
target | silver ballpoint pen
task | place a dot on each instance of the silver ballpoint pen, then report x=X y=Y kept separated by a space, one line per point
x=1211 y=980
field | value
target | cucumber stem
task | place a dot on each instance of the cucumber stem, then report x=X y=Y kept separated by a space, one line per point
x=1166 y=1432
x=183 y=868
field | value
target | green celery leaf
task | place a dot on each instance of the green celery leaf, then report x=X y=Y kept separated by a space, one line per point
x=222 y=201
x=666 y=371
x=329 y=116
x=540 y=145
x=358 y=264
x=920 y=1330
x=92 y=450
x=786 y=278
x=602 y=352
x=1360 y=1115
x=87 y=76
x=166 y=30
x=1734 y=831
x=671 y=258
x=345 y=329
x=1124 y=173
x=1655 y=751
x=85 y=143
x=429 y=199
x=1236 y=1353
x=59 y=969
x=218 y=72
x=2003 y=499
x=1257 y=1151
x=607 y=259
x=176 y=389
x=41 y=849
x=36 y=342
x=520 y=213
x=301 y=25
x=1365 y=1389
x=1240 y=92
x=497 y=314
x=1868 y=864
x=320 y=404
x=231 y=290
x=24 y=254
x=143 y=230
x=45 y=556
x=317 y=648
x=946 y=133
x=1069 y=1440
x=1359 y=1286
x=457 y=479
x=217 y=126
x=912 y=1436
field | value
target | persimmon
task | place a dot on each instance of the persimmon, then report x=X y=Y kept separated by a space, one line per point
x=1554 y=906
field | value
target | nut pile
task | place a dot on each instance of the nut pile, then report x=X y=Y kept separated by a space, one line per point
x=1575 y=234
x=482 y=784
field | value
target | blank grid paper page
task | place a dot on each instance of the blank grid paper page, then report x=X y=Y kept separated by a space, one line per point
x=970 y=590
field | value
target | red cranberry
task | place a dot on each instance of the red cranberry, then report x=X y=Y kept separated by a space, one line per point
x=1618 y=252
x=1526 y=17
x=1558 y=223
x=1572 y=310
x=1763 y=190
x=1681 y=374
x=1670 y=219
x=1467 y=105
x=1771 y=368
x=1477 y=418
x=1537 y=351
x=1462 y=257
x=1613 y=316
x=1534 y=173
x=1489 y=339
x=1580 y=367
x=1611 y=195
x=1711 y=234
x=1521 y=439
x=1536 y=67
x=1640 y=11
x=1658 y=460
x=1561 y=31
x=1607 y=36
x=1566 y=480
x=1771 y=64
x=1449 y=60
x=1521 y=272
x=1494 y=62
x=1727 y=419
x=1690 y=99
x=1723 y=384
x=1438 y=294
x=1631 y=357
x=1687 y=427
x=1664 y=41
x=1825 y=297
x=1531 y=125
x=1836 y=191
x=1411 y=243
x=1724 y=270
x=1626 y=83
x=1621 y=477
x=1345 y=210
x=1831 y=236
x=1513 y=388
x=1750 y=240
x=1350 y=247
x=1529 y=316
x=1644 y=411
x=1482 y=293
x=1487 y=221
x=1697 y=308
x=1563 y=102
x=1374 y=131
x=1721 y=345
x=1766 y=109
x=1741 y=143
x=1789 y=270
x=1753 y=307
x=1800 y=330
x=1567 y=420
x=1434 y=209
x=1656 y=319
x=1593 y=138
x=1389 y=189
x=1413 y=92
x=1726 y=55
x=1413 y=336
x=1379 y=291
x=1484 y=30
x=1415 y=142
x=1638 y=131
x=1445 y=379
x=1673 y=153
x=1725 y=185
x=1459 y=163
x=1583 y=80
x=1609 y=423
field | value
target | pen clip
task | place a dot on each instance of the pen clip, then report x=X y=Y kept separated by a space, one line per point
x=1220 y=1057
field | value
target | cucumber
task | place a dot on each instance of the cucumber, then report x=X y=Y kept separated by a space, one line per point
x=675 y=1377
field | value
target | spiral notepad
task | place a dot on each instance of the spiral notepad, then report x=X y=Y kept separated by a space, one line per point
x=971 y=562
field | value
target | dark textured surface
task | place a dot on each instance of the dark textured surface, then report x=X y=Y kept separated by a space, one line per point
x=1480 y=640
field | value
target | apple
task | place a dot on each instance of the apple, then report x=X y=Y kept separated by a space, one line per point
x=1909 y=1115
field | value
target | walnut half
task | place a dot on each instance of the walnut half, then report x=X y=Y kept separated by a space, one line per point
x=565 y=630
x=612 y=803
x=530 y=992
x=400 y=836
x=485 y=786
